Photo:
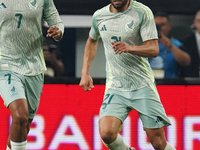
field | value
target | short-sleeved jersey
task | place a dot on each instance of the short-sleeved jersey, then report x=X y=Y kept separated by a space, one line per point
x=134 y=26
x=21 y=34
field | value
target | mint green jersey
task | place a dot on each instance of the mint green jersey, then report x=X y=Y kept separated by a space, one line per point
x=125 y=71
x=21 y=34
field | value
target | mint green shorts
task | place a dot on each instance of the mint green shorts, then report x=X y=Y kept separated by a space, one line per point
x=16 y=86
x=145 y=101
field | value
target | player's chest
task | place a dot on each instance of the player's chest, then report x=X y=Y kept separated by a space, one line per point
x=18 y=9
x=123 y=25
x=20 y=5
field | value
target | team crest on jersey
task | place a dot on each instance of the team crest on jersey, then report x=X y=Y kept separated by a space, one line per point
x=32 y=4
x=2 y=5
x=13 y=91
x=129 y=26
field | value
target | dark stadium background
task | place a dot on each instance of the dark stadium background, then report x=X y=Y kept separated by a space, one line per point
x=87 y=7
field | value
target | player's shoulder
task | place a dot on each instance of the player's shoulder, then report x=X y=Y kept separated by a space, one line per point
x=140 y=7
x=102 y=11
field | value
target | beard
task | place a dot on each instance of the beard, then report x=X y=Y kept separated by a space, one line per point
x=118 y=7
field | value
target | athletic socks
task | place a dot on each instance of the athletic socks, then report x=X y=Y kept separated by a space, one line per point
x=117 y=144
x=169 y=147
x=8 y=148
x=18 y=145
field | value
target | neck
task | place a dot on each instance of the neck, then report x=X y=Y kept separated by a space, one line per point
x=114 y=10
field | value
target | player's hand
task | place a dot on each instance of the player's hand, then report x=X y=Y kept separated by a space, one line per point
x=54 y=32
x=86 y=83
x=120 y=47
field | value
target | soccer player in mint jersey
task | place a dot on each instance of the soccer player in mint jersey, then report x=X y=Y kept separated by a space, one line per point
x=22 y=62
x=129 y=35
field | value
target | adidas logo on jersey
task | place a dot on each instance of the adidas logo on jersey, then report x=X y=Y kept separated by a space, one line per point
x=2 y=5
x=32 y=111
x=103 y=28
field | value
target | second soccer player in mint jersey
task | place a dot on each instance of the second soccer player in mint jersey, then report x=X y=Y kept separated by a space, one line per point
x=21 y=60
x=129 y=35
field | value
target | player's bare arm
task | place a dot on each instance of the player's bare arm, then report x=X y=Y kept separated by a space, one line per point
x=150 y=49
x=89 y=54
x=54 y=32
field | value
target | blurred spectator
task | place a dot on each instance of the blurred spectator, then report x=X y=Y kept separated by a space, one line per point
x=53 y=62
x=172 y=53
x=51 y=53
x=192 y=44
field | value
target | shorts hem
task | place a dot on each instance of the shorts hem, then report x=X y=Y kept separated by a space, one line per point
x=158 y=126
x=14 y=99
x=122 y=120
